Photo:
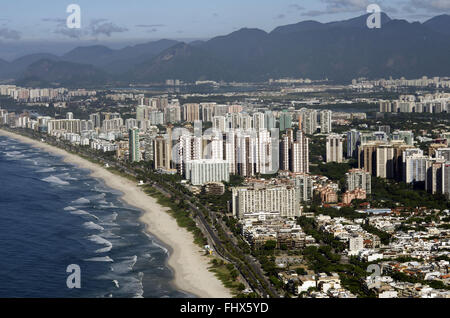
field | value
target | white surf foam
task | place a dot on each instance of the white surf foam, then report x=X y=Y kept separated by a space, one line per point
x=81 y=201
x=14 y=155
x=66 y=176
x=135 y=286
x=46 y=170
x=82 y=212
x=126 y=265
x=93 y=226
x=101 y=241
x=109 y=219
x=55 y=180
x=166 y=251
x=100 y=259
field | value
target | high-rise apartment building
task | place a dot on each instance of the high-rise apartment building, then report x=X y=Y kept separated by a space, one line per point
x=200 y=172
x=208 y=111
x=385 y=162
x=353 y=142
x=325 y=121
x=96 y=119
x=259 y=122
x=134 y=145
x=191 y=112
x=299 y=158
x=309 y=121
x=415 y=168
x=282 y=199
x=285 y=121
x=434 y=176
x=334 y=148
x=358 y=179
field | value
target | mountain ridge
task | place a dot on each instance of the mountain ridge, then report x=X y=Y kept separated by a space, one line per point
x=339 y=50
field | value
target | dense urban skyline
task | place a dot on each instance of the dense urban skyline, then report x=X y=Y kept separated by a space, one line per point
x=150 y=150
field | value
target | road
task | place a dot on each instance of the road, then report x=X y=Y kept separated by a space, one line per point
x=253 y=269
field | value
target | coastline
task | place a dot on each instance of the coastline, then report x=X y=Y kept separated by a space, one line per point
x=186 y=259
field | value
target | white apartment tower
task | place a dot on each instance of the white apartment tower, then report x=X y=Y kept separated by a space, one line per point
x=325 y=121
x=334 y=148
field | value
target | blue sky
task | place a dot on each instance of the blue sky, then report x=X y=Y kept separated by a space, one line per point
x=115 y=21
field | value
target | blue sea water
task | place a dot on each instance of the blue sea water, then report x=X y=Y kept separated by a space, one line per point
x=53 y=214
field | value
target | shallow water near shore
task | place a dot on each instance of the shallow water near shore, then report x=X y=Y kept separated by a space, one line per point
x=53 y=214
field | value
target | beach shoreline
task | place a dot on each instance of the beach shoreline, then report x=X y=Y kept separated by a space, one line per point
x=186 y=259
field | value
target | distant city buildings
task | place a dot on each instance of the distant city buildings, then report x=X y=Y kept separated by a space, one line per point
x=358 y=179
x=203 y=171
x=353 y=142
x=334 y=148
x=325 y=121
x=271 y=198
x=430 y=103
x=134 y=145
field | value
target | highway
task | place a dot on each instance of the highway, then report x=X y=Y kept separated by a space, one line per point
x=250 y=267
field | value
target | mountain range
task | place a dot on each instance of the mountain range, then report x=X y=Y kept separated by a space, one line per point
x=339 y=51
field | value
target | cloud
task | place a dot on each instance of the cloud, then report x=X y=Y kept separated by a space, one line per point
x=280 y=16
x=390 y=9
x=339 y=6
x=151 y=28
x=96 y=27
x=150 y=25
x=71 y=33
x=100 y=27
x=55 y=20
x=61 y=28
x=9 y=34
x=430 y=6
x=296 y=7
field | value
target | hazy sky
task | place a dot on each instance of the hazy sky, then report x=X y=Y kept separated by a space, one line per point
x=125 y=21
x=134 y=19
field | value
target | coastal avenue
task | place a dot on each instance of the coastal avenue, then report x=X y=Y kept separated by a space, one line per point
x=254 y=271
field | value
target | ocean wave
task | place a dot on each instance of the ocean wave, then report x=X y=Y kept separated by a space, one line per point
x=100 y=259
x=35 y=162
x=69 y=208
x=111 y=235
x=125 y=266
x=103 y=190
x=152 y=238
x=81 y=201
x=46 y=170
x=93 y=226
x=66 y=176
x=109 y=206
x=82 y=212
x=15 y=155
x=99 y=198
x=130 y=286
x=109 y=219
x=135 y=286
x=55 y=180
x=101 y=241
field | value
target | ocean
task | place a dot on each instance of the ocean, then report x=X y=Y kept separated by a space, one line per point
x=53 y=214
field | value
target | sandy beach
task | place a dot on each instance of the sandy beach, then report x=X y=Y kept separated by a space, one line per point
x=187 y=260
